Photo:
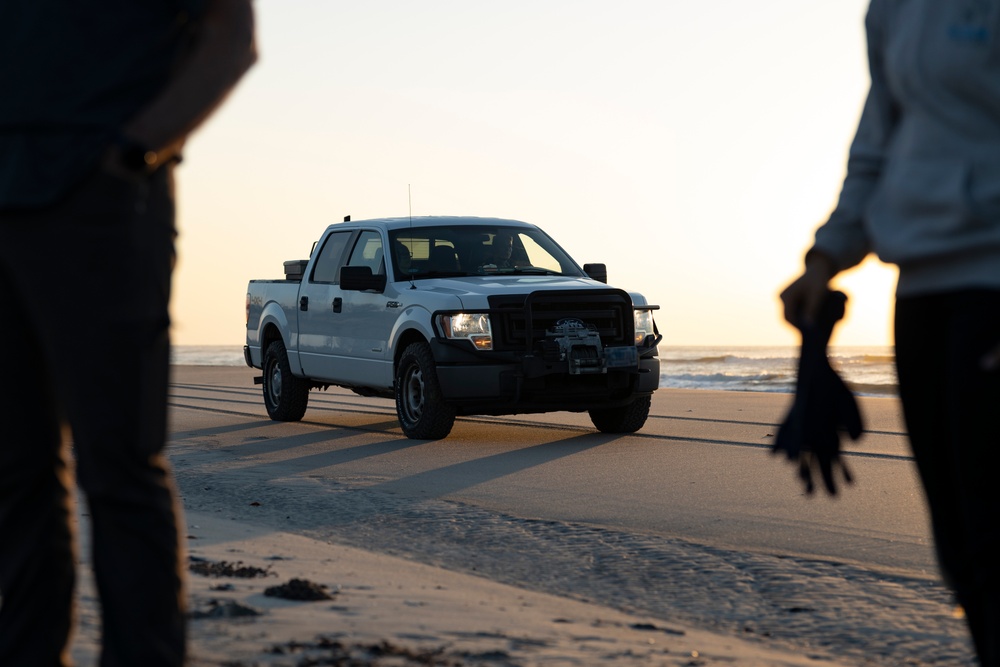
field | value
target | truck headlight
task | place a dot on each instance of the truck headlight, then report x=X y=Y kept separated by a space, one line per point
x=473 y=327
x=643 y=325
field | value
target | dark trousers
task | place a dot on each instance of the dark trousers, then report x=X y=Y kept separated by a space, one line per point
x=952 y=409
x=84 y=288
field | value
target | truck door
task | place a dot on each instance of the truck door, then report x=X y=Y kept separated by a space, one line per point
x=365 y=318
x=344 y=334
x=319 y=337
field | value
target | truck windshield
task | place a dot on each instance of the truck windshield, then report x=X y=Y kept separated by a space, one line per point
x=456 y=250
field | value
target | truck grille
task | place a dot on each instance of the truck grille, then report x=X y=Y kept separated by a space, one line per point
x=520 y=322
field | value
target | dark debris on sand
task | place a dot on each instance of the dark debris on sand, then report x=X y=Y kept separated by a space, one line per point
x=649 y=627
x=384 y=654
x=223 y=568
x=326 y=651
x=299 y=589
x=223 y=609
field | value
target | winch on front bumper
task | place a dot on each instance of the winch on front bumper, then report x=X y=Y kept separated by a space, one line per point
x=577 y=345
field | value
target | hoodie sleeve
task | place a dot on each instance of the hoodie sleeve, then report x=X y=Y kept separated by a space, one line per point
x=843 y=237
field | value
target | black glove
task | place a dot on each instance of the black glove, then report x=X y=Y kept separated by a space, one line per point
x=823 y=405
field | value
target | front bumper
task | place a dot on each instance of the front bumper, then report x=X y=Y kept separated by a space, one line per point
x=515 y=382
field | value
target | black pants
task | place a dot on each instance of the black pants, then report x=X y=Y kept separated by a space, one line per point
x=952 y=409
x=84 y=289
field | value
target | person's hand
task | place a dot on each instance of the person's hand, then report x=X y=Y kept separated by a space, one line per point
x=112 y=163
x=804 y=296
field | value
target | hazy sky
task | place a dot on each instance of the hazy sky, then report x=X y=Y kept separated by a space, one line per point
x=691 y=146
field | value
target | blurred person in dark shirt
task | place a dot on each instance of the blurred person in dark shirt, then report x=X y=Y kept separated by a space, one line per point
x=96 y=101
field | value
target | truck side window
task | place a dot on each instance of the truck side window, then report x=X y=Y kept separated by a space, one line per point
x=368 y=252
x=330 y=256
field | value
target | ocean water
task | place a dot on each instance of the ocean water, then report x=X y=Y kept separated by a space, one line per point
x=207 y=355
x=869 y=371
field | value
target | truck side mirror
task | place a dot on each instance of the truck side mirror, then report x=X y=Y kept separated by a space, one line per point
x=361 y=279
x=598 y=272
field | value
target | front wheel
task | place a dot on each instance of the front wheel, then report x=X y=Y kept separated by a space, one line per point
x=626 y=419
x=420 y=406
x=285 y=396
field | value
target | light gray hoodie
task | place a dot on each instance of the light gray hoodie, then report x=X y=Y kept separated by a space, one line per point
x=923 y=175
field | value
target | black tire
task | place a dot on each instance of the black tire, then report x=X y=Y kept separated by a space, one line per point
x=421 y=408
x=285 y=396
x=626 y=419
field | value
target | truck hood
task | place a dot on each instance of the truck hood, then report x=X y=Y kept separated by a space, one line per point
x=472 y=291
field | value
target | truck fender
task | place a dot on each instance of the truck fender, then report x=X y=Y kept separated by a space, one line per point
x=413 y=319
x=637 y=299
x=274 y=316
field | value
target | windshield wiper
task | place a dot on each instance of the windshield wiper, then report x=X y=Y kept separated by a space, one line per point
x=535 y=270
x=437 y=274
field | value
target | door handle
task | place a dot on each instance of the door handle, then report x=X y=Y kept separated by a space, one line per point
x=338 y=304
x=304 y=303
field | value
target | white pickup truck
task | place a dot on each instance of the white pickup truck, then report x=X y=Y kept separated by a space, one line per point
x=452 y=316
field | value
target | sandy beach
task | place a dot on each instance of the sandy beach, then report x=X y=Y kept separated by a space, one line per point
x=384 y=610
x=261 y=546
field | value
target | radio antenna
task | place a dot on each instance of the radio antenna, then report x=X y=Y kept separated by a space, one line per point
x=409 y=203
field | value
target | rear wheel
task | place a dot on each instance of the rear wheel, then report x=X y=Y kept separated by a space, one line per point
x=421 y=408
x=285 y=396
x=626 y=419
